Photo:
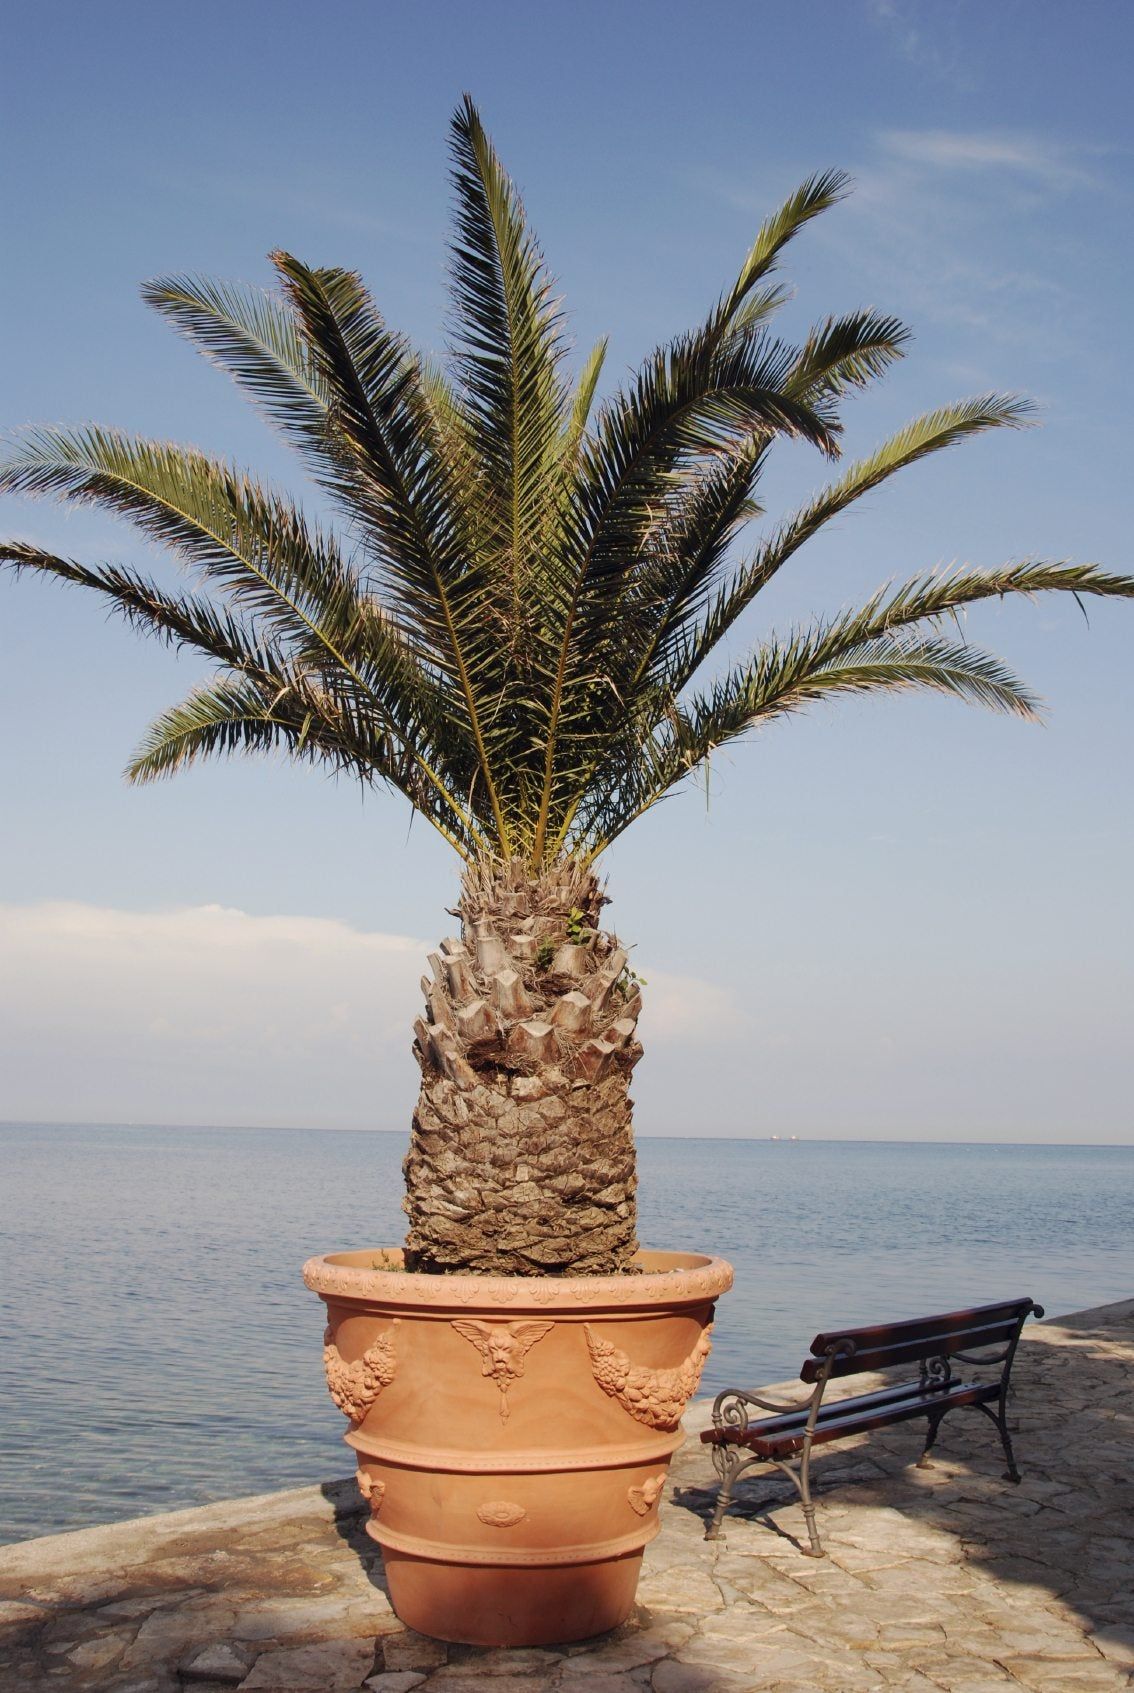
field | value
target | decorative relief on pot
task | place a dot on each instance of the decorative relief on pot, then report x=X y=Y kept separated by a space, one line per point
x=355 y=1387
x=654 y=1397
x=372 y=1490
x=503 y=1348
x=501 y=1513
x=643 y=1499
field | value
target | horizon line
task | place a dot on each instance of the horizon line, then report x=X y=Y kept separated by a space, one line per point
x=776 y=1139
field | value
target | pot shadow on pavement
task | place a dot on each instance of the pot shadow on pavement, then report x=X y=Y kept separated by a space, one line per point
x=351 y=1516
x=1066 y=1533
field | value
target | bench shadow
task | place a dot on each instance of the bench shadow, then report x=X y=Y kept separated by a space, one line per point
x=1067 y=1528
x=760 y=1494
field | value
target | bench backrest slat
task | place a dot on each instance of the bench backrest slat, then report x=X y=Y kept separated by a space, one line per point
x=877 y=1347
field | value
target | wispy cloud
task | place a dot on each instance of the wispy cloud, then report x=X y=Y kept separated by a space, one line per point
x=206 y=1014
x=937 y=50
x=685 y=1008
x=949 y=226
x=203 y=1014
x=1056 y=168
x=330 y=205
x=953 y=226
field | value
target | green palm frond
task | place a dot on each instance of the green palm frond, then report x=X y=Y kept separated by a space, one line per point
x=813 y=197
x=687 y=548
x=292 y=713
x=582 y=402
x=690 y=402
x=875 y=646
x=217 y=520
x=757 y=311
x=665 y=574
x=931 y=433
x=181 y=620
x=232 y=714
x=387 y=472
x=280 y=700
x=256 y=547
x=396 y=482
x=537 y=577
x=508 y=353
x=939 y=593
x=255 y=338
x=847 y=352
x=782 y=678
x=392 y=694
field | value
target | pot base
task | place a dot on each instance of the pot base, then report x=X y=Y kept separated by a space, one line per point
x=487 y=1605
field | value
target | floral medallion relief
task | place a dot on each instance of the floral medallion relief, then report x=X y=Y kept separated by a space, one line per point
x=501 y=1513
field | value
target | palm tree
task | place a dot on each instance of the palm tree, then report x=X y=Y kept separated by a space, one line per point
x=511 y=632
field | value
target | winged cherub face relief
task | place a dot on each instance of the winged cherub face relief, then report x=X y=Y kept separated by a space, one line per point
x=503 y=1348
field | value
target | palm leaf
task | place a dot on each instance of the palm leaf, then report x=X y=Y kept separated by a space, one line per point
x=813 y=197
x=513 y=637
x=931 y=433
x=508 y=351
x=862 y=650
x=780 y=679
x=582 y=402
x=183 y=620
x=262 y=553
x=295 y=714
x=847 y=352
x=396 y=481
x=690 y=402
x=252 y=335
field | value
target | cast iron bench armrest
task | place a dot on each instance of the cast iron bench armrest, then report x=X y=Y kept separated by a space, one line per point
x=987 y=1335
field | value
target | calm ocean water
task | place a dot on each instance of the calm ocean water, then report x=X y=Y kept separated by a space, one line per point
x=158 y=1349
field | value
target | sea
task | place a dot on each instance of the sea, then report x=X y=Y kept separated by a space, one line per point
x=158 y=1348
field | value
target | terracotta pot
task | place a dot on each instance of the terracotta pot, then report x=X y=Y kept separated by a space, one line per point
x=513 y=1433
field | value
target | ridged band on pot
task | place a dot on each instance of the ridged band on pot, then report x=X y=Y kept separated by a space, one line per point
x=524 y=1433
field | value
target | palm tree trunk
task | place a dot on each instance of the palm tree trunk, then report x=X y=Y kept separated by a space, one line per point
x=522 y=1155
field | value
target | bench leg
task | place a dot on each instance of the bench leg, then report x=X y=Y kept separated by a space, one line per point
x=1011 y=1473
x=1000 y=1418
x=728 y=1463
x=816 y=1548
x=802 y=1480
x=925 y=1462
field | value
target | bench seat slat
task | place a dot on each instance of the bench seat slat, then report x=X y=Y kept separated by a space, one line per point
x=896 y=1392
x=858 y=1419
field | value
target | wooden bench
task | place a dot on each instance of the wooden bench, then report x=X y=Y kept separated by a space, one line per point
x=933 y=1343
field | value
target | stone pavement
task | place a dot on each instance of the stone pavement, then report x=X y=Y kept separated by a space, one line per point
x=941 y=1579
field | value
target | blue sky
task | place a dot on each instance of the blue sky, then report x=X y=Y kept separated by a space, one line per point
x=900 y=919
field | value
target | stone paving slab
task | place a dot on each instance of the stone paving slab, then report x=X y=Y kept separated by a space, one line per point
x=945 y=1580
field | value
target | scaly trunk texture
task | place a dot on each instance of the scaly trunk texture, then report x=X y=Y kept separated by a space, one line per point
x=522 y=1155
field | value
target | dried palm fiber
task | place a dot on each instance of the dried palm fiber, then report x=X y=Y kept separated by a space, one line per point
x=522 y=1155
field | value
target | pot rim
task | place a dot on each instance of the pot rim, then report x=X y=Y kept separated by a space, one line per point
x=671 y=1278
